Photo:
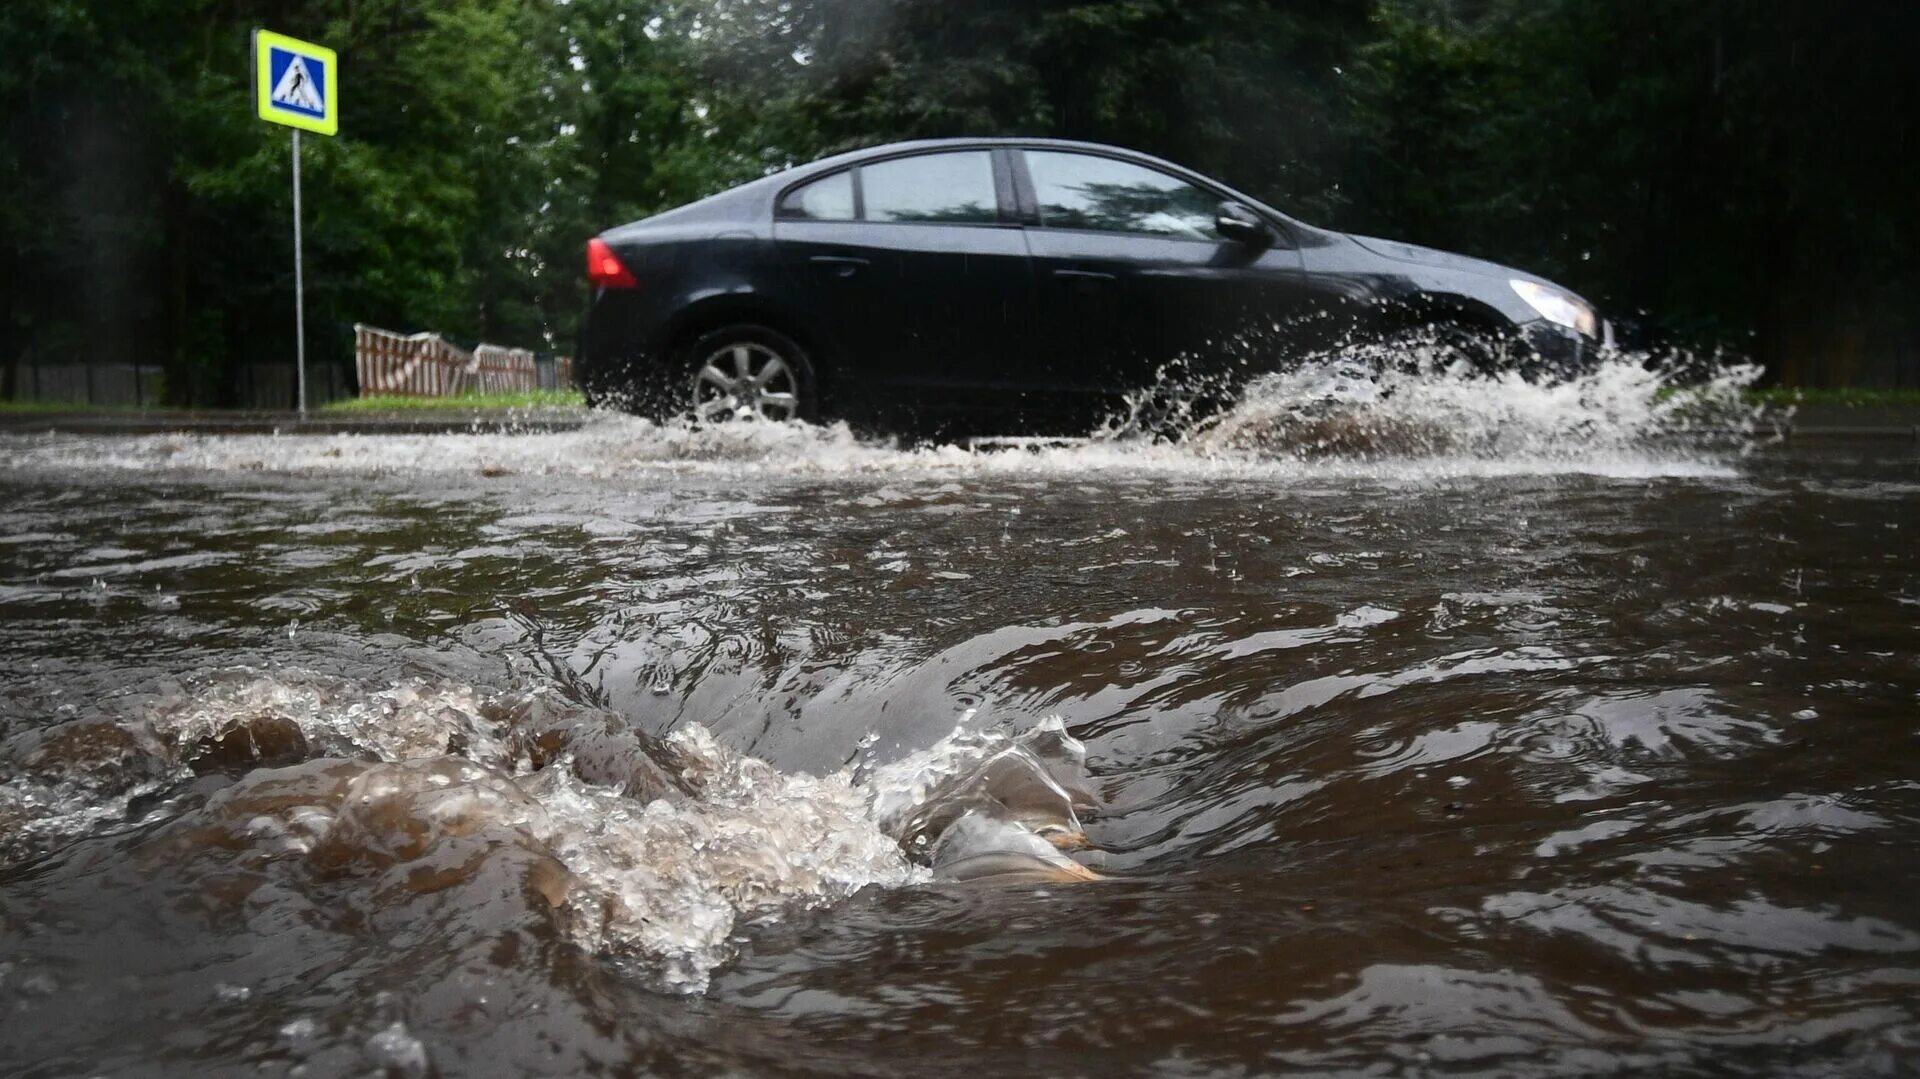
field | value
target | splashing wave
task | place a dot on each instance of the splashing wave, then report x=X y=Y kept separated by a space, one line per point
x=1337 y=417
x=648 y=851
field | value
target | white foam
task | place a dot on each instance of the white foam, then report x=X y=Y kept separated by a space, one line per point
x=664 y=883
x=659 y=885
x=1317 y=422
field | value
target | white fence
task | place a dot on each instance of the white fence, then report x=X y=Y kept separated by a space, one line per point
x=504 y=370
x=427 y=365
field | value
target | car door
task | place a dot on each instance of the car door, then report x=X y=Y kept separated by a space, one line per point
x=916 y=267
x=1131 y=273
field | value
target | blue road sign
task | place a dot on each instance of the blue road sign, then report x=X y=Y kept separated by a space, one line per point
x=296 y=83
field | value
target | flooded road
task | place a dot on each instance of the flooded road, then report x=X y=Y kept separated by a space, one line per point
x=1469 y=730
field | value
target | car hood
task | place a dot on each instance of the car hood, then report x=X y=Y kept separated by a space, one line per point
x=1428 y=256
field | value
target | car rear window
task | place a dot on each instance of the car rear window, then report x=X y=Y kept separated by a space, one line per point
x=952 y=188
x=1082 y=191
x=827 y=199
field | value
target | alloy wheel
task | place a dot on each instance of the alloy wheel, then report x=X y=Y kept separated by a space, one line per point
x=745 y=380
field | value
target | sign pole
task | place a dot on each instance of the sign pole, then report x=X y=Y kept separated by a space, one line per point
x=299 y=286
x=297 y=83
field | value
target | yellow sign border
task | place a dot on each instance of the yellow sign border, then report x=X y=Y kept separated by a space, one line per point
x=263 y=40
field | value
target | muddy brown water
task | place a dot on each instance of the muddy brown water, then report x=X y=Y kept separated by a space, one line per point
x=1391 y=766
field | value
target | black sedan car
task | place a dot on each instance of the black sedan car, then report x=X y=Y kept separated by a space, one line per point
x=1013 y=283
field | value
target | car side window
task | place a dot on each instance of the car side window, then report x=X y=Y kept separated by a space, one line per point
x=950 y=188
x=827 y=199
x=1082 y=191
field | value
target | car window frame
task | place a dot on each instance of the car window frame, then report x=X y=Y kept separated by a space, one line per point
x=1033 y=196
x=1029 y=199
x=1006 y=199
x=852 y=172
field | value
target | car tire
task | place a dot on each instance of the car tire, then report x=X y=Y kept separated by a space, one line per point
x=595 y=396
x=1179 y=402
x=623 y=392
x=743 y=371
x=1428 y=347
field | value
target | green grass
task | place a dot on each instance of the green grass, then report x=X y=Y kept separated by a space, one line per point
x=1782 y=395
x=465 y=403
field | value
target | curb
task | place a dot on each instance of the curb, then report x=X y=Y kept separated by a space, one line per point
x=287 y=423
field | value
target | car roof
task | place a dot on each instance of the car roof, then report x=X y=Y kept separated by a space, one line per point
x=759 y=192
x=799 y=173
x=911 y=145
x=891 y=149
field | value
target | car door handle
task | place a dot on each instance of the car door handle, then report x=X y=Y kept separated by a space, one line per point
x=841 y=265
x=1089 y=276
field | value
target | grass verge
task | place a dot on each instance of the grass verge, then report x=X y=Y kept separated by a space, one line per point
x=1782 y=395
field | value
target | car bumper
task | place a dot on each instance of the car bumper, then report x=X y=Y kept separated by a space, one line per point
x=1553 y=350
x=619 y=338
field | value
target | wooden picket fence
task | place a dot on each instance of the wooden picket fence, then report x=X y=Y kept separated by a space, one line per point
x=504 y=370
x=427 y=365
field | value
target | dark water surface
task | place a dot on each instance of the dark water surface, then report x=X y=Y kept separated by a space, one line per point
x=341 y=755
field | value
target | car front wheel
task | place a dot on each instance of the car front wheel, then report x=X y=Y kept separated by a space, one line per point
x=748 y=372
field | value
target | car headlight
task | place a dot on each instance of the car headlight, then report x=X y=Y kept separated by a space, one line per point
x=1557 y=307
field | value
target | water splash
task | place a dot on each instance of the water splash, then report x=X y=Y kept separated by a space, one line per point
x=1617 y=411
x=650 y=852
x=1340 y=416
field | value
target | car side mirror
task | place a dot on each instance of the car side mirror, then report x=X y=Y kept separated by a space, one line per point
x=1241 y=225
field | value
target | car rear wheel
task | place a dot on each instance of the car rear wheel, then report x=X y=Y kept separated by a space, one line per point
x=748 y=372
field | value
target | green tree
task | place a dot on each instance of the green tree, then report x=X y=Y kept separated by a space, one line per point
x=1733 y=172
x=1245 y=89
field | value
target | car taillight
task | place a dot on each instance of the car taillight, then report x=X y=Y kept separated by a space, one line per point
x=604 y=269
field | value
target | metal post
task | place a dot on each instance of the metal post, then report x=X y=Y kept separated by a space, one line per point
x=299 y=286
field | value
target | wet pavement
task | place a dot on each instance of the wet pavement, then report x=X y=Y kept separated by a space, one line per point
x=1454 y=730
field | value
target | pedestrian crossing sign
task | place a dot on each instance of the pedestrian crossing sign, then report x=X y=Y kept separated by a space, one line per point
x=296 y=83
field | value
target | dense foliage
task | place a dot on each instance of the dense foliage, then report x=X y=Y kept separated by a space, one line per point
x=1730 y=171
